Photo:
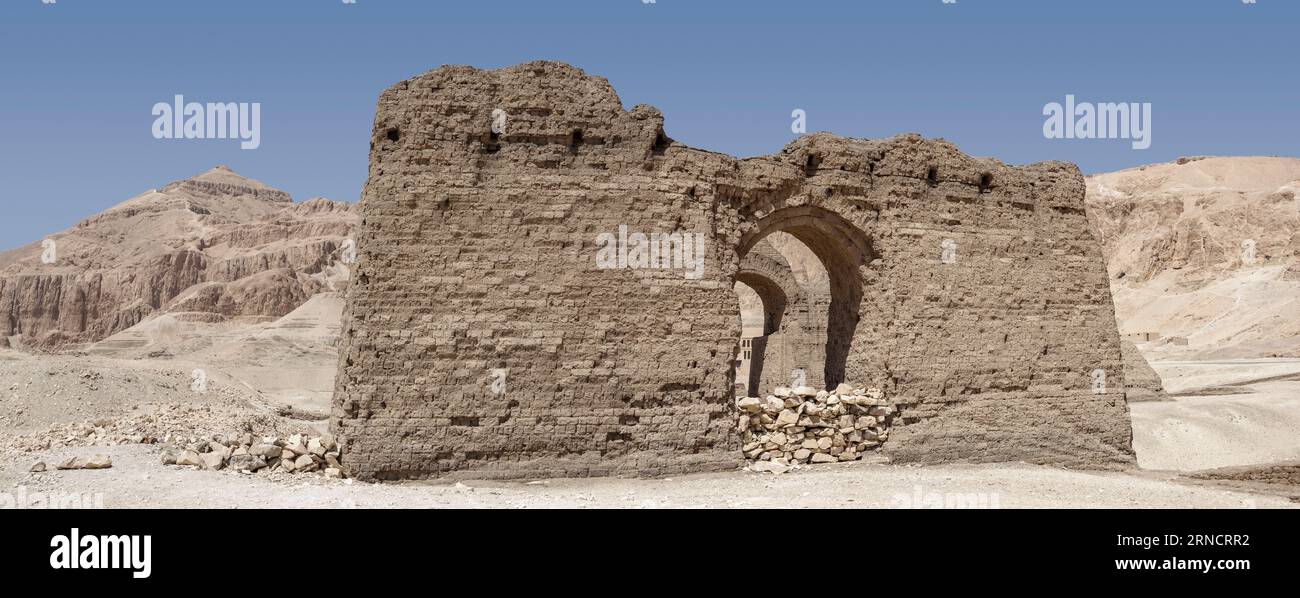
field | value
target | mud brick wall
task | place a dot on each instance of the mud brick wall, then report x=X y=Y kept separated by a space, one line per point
x=477 y=256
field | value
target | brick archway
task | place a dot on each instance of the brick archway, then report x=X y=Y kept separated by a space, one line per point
x=795 y=339
x=843 y=249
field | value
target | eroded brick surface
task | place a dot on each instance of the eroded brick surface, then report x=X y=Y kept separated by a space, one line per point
x=477 y=254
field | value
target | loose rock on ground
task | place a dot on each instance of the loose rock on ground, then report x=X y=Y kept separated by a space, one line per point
x=792 y=427
x=247 y=453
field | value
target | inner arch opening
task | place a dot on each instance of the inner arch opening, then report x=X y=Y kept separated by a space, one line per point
x=842 y=249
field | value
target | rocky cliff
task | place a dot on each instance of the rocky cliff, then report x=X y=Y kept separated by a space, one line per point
x=1207 y=250
x=214 y=247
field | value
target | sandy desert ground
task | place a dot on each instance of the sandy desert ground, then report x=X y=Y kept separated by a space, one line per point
x=1223 y=414
x=1172 y=438
x=137 y=480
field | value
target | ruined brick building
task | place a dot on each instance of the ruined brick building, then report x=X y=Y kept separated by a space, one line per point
x=483 y=336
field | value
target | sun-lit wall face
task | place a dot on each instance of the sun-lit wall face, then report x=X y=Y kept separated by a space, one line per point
x=751 y=311
x=808 y=269
x=974 y=293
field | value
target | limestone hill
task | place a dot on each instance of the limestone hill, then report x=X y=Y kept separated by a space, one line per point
x=217 y=247
x=1207 y=250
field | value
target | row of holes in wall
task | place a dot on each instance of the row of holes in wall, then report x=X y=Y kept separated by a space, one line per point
x=494 y=141
x=931 y=176
x=661 y=143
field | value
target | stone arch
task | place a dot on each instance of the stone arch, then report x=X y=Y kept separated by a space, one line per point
x=752 y=352
x=792 y=336
x=843 y=248
x=771 y=276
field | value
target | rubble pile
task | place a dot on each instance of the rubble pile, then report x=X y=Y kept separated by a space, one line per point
x=262 y=443
x=805 y=425
x=151 y=424
x=247 y=453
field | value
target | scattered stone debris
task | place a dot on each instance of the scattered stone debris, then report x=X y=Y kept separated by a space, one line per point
x=263 y=443
x=91 y=462
x=247 y=453
x=793 y=427
x=151 y=424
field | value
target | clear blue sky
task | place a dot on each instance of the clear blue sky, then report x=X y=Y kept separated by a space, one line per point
x=78 y=79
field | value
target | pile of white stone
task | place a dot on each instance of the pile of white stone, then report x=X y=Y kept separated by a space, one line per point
x=805 y=425
x=250 y=454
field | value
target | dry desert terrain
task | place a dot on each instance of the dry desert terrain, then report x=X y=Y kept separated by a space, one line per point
x=255 y=302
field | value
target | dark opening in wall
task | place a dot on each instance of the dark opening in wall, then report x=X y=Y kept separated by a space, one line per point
x=842 y=248
x=493 y=144
x=661 y=143
x=575 y=139
x=986 y=181
x=393 y=134
x=932 y=176
x=810 y=167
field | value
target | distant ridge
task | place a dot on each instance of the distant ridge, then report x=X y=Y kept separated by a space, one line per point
x=1176 y=239
x=215 y=246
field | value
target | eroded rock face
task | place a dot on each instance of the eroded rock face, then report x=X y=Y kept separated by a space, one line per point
x=215 y=246
x=1194 y=216
x=484 y=334
x=1207 y=249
